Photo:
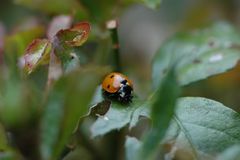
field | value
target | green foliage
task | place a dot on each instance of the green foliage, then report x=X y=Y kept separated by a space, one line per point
x=162 y=110
x=79 y=152
x=17 y=43
x=117 y=117
x=202 y=127
x=3 y=139
x=67 y=39
x=231 y=153
x=63 y=6
x=68 y=118
x=206 y=125
x=152 y=3
x=97 y=11
x=132 y=146
x=200 y=54
x=64 y=109
x=20 y=103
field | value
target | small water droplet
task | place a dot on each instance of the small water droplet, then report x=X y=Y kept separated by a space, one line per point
x=216 y=57
x=105 y=118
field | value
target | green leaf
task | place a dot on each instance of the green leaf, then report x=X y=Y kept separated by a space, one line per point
x=99 y=106
x=142 y=110
x=152 y=3
x=74 y=36
x=57 y=23
x=52 y=6
x=9 y=155
x=68 y=101
x=79 y=153
x=201 y=127
x=231 y=153
x=2 y=35
x=3 y=139
x=117 y=117
x=200 y=54
x=204 y=126
x=6 y=153
x=37 y=53
x=163 y=104
x=211 y=63
x=100 y=109
x=132 y=146
x=65 y=42
x=102 y=11
x=20 y=102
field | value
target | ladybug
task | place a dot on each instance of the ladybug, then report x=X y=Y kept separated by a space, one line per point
x=118 y=87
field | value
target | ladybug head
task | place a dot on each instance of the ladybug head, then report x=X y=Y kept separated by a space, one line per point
x=125 y=92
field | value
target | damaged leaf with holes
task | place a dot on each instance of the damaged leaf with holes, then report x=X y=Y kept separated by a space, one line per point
x=117 y=117
x=74 y=36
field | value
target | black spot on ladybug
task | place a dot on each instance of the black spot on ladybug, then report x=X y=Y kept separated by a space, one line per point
x=108 y=86
x=112 y=76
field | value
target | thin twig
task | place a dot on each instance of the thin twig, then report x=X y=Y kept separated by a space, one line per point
x=112 y=25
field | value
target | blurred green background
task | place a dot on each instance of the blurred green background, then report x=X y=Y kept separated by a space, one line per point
x=141 y=32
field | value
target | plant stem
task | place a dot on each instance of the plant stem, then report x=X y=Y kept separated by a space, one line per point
x=112 y=26
x=85 y=141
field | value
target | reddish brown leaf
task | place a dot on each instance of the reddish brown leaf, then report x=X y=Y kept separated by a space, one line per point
x=58 y=23
x=76 y=35
x=37 y=53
